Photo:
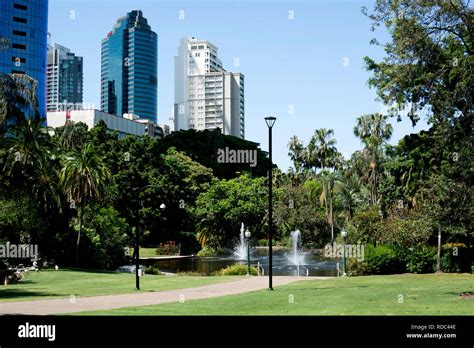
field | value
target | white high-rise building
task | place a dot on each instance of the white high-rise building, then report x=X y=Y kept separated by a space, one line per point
x=64 y=79
x=205 y=95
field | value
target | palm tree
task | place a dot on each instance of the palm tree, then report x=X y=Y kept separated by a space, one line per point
x=296 y=152
x=321 y=150
x=17 y=97
x=374 y=131
x=348 y=188
x=26 y=146
x=322 y=153
x=326 y=197
x=83 y=177
x=73 y=135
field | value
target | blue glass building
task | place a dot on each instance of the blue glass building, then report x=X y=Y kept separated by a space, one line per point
x=23 y=41
x=129 y=71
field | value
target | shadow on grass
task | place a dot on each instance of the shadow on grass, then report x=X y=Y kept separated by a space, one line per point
x=25 y=282
x=19 y=293
x=84 y=270
x=329 y=288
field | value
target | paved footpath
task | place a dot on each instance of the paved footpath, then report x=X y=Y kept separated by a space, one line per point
x=83 y=304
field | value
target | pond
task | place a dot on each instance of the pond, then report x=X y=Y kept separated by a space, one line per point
x=312 y=264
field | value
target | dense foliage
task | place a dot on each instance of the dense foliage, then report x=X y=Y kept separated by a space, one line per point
x=75 y=191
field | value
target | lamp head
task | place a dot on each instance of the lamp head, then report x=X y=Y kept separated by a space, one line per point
x=270 y=120
x=247 y=233
x=344 y=234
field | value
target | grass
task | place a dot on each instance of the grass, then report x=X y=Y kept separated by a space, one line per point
x=408 y=294
x=147 y=252
x=50 y=284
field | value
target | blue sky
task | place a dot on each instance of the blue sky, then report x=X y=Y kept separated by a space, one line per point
x=289 y=64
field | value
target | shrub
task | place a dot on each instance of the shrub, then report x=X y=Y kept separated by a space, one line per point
x=356 y=267
x=237 y=269
x=383 y=259
x=456 y=260
x=192 y=274
x=408 y=230
x=366 y=224
x=153 y=270
x=208 y=251
x=168 y=248
x=264 y=242
x=188 y=242
x=421 y=260
x=104 y=238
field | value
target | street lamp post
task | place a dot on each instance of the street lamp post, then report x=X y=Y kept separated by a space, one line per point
x=137 y=255
x=344 y=236
x=270 y=120
x=137 y=241
x=247 y=236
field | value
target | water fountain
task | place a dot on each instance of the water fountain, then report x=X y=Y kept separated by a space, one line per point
x=241 y=248
x=297 y=256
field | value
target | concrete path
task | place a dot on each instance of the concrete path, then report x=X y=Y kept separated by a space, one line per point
x=83 y=304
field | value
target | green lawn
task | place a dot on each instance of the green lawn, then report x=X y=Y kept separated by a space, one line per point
x=431 y=294
x=49 y=284
x=147 y=252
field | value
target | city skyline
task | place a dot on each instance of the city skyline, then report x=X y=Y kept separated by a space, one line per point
x=302 y=61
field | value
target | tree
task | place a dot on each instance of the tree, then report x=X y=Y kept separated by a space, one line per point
x=296 y=153
x=326 y=198
x=17 y=98
x=321 y=151
x=26 y=148
x=429 y=58
x=83 y=177
x=225 y=205
x=374 y=131
x=72 y=135
x=348 y=192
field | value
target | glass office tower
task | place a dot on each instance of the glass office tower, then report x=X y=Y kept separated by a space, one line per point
x=64 y=79
x=129 y=71
x=23 y=41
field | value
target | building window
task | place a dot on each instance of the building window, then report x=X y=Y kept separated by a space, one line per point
x=19 y=46
x=19 y=33
x=19 y=20
x=198 y=54
x=20 y=7
x=16 y=59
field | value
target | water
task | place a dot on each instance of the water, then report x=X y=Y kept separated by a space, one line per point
x=241 y=248
x=297 y=256
x=295 y=261
x=315 y=264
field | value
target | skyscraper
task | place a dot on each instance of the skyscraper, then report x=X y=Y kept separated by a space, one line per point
x=23 y=41
x=205 y=95
x=64 y=79
x=129 y=78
